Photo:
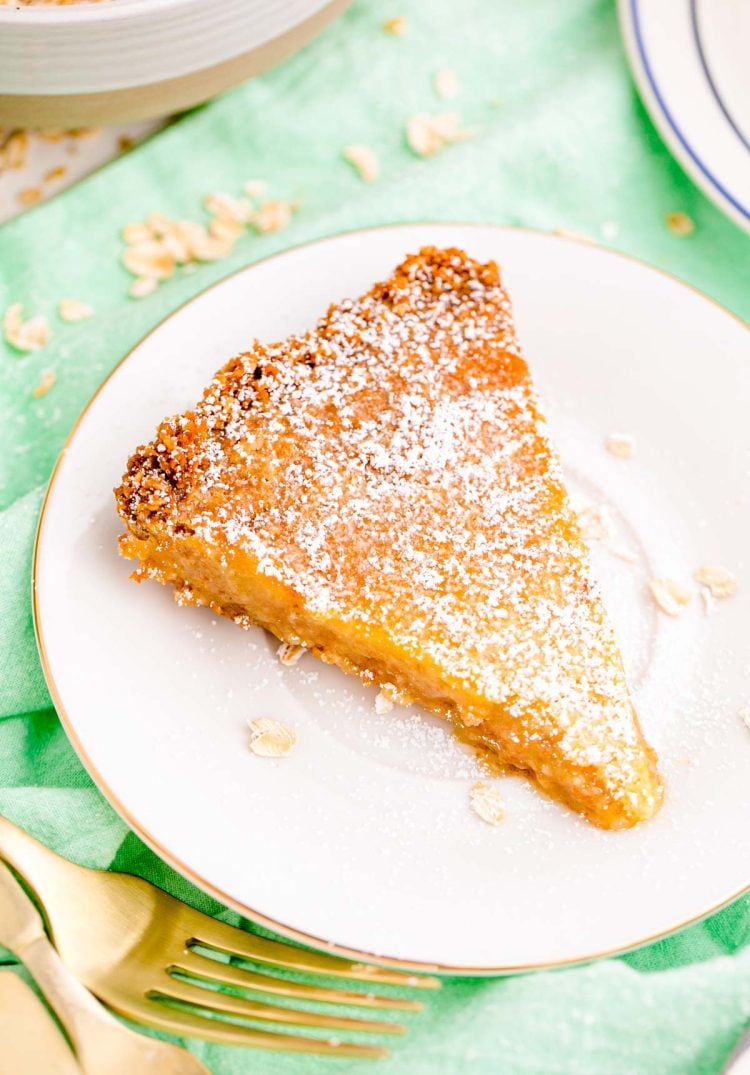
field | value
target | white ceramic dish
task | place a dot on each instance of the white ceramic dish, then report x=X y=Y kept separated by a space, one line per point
x=690 y=62
x=362 y=838
x=118 y=59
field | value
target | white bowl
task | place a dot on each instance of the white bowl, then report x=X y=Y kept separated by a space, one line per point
x=129 y=59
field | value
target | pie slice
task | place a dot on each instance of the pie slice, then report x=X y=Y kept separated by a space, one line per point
x=382 y=492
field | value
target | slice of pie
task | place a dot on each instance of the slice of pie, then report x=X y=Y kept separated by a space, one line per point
x=382 y=492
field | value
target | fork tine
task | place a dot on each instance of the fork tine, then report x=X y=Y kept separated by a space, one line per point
x=188 y=1024
x=235 y=942
x=229 y=1005
x=211 y=970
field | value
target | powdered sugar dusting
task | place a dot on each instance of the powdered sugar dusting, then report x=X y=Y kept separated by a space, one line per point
x=392 y=468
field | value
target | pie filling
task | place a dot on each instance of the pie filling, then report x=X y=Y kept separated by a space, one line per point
x=383 y=492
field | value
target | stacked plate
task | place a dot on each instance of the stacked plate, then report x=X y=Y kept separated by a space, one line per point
x=96 y=63
x=690 y=61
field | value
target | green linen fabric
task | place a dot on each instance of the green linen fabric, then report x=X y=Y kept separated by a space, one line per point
x=562 y=142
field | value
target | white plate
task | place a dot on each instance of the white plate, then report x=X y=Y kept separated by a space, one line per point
x=93 y=48
x=362 y=838
x=690 y=59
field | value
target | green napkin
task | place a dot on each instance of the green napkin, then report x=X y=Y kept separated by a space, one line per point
x=563 y=143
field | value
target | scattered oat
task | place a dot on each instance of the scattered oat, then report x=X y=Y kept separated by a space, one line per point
x=224 y=205
x=58 y=172
x=272 y=216
x=670 y=596
x=175 y=242
x=680 y=224
x=208 y=243
x=124 y=143
x=289 y=654
x=137 y=233
x=363 y=160
x=744 y=713
x=225 y=229
x=396 y=26
x=143 y=286
x=709 y=601
x=200 y=246
x=46 y=381
x=35 y=334
x=610 y=230
x=156 y=246
x=621 y=444
x=159 y=225
x=383 y=702
x=52 y=134
x=446 y=83
x=428 y=134
x=149 y=258
x=596 y=524
x=719 y=581
x=487 y=803
x=593 y=522
x=270 y=738
x=30 y=195
x=255 y=188
x=13 y=150
x=175 y=236
x=29 y=335
x=74 y=310
x=13 y=319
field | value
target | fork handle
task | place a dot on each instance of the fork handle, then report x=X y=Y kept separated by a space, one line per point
x=92 y=1031
x=38 y=866
x=83 y=1017
x=79 y=1012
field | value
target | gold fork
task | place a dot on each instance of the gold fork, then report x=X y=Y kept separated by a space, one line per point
x=32 y=1044
x=146 y=955
x=102 y=1045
